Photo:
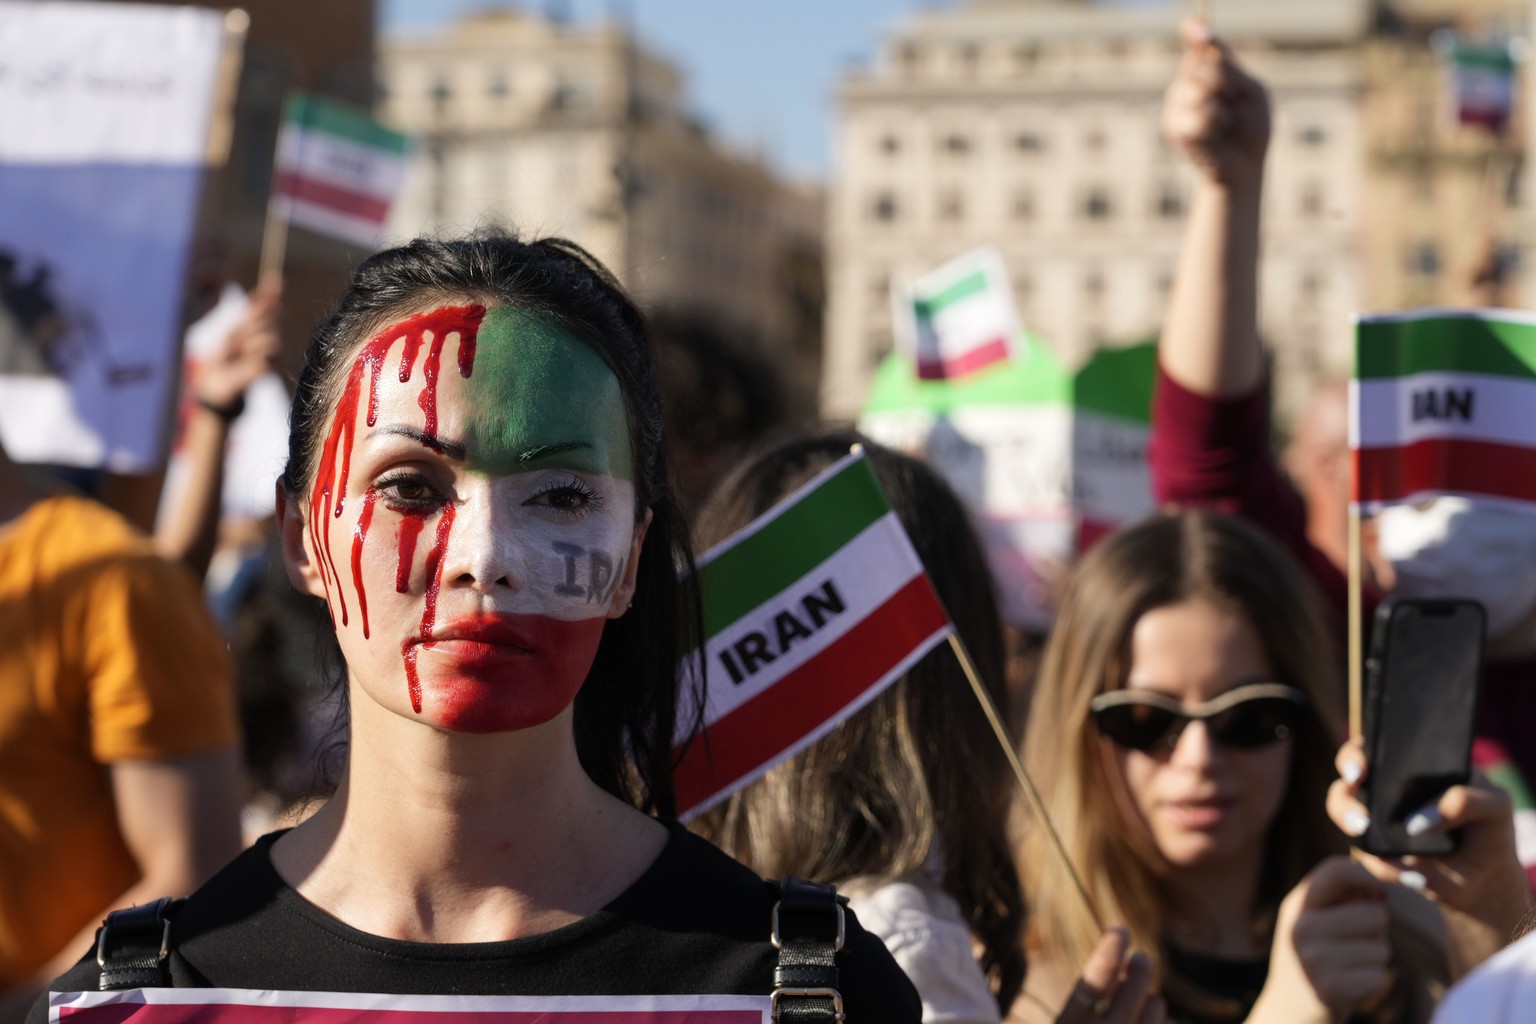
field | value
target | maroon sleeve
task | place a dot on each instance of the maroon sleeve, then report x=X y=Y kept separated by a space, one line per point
x=1214 y=453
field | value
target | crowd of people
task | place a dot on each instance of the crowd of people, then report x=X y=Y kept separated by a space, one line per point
x=487 y=563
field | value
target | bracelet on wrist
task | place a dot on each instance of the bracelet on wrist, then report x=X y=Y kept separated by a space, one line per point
x=228 y=412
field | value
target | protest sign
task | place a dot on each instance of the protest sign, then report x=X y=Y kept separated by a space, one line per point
x=108 y=108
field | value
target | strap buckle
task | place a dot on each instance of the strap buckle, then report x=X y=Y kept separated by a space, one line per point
x=808 y=993
x=165 y=942
x=842 y=928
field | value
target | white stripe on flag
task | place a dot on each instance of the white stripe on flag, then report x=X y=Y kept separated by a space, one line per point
x=341 y=162
x=1460 y=406
x=865 y=573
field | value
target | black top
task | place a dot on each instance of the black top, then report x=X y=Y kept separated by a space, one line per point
x=696 y=922
x=1223 y=990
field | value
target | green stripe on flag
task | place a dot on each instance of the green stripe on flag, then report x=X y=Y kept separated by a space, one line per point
x=1398 y=347
x=801 y=538
x=315 y=114
x=1486 y=59
x=970 y=284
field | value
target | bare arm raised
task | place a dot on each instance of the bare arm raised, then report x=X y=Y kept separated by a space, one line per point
x=1218 y=116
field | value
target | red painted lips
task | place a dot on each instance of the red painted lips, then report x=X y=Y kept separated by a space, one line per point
x=500 y=672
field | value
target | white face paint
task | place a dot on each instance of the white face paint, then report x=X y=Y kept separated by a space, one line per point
x=1454 y=547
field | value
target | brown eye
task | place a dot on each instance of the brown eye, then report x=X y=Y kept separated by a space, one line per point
x=408 y=493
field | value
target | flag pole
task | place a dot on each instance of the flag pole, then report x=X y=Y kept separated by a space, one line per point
x=274 y=244
x=274 y=237
x=1025 y=782
x=1356 y=626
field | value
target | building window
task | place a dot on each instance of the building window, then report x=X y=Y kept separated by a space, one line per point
x=1312 y=199
x=1094 y=141
x=1096 y=204
x=1170 y=203
x=890 y=144
x=1312 y=135
x=970 y=57
x=910 y=55
x=1163 y=283
x=441 y=93
x=1093 y=285
x=957 y=144
x=1028 y=142
x=1025 y=57
x=1024 y=204
x=884 y=207
x=952 y=205
x=1424 y=259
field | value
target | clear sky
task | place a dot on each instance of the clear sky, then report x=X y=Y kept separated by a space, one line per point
x=761 y=74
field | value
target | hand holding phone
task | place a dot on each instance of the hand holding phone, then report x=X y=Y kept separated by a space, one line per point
x=1420 y=696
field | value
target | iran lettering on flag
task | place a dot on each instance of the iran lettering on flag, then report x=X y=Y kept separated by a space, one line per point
x=957 y=319
x=338 y=170
x=252 y=1006
x=810 y=611
x=1444 y=402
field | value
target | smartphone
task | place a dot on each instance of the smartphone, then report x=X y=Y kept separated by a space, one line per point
x=1421 y=682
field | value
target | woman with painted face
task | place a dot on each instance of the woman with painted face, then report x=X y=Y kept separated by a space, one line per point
x=1184 y=716
x=884 y=805
x=476 y=488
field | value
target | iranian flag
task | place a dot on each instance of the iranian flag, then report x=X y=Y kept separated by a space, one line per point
x=1444 y=402
x=1482 y=74
x=809 y=612
x=959 y=318
x=253 y=1006
x=338 y=170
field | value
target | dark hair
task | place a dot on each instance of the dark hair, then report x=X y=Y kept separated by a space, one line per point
x=627 y=710
x=917 y=777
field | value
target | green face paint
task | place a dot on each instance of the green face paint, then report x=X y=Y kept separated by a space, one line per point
x=539 y=398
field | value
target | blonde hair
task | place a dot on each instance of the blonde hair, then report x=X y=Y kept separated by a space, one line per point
x=1162 y=561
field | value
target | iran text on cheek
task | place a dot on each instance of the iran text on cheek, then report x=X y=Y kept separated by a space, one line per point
x=328 y=497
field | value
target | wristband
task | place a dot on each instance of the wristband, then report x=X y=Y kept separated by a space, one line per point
x=227 y=413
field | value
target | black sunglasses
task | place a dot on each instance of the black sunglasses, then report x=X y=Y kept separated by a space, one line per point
x=1245 y=717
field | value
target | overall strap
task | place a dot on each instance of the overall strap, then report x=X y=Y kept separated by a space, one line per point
x=808 y=930
x=133 y=946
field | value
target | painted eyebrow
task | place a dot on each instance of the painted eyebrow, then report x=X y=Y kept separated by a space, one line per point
x=448 y=449
x=545 y=451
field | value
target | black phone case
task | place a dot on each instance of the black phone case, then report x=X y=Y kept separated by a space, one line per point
x=1419 y=702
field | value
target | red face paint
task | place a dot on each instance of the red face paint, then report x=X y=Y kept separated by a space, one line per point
x=359 y=535
x=410 y=529
x=328 y=496
x=494 y=673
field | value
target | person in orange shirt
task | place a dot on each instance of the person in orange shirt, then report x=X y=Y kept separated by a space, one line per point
x=119 y=765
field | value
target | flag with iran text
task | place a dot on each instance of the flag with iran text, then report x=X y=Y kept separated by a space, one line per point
x=251 y=1006
x=957 y=319
x=809 y=612
x=338 y=170
x=1444 y=402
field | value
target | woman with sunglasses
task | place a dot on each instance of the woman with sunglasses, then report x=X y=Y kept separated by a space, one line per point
x=1182 y=733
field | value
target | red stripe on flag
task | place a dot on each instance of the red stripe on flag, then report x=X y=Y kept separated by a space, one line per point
x=342 y=200
x=994 y=351
x=779 y=717
x=1465 y=467
x=247 y=1013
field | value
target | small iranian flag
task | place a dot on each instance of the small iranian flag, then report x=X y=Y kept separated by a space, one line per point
x=1444 y=402
x=959 y=318
x=338 y=170
x=809 y=612
x=1482 y=74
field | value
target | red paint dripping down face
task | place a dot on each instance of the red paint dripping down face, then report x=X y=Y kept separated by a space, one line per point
x=487 y=541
